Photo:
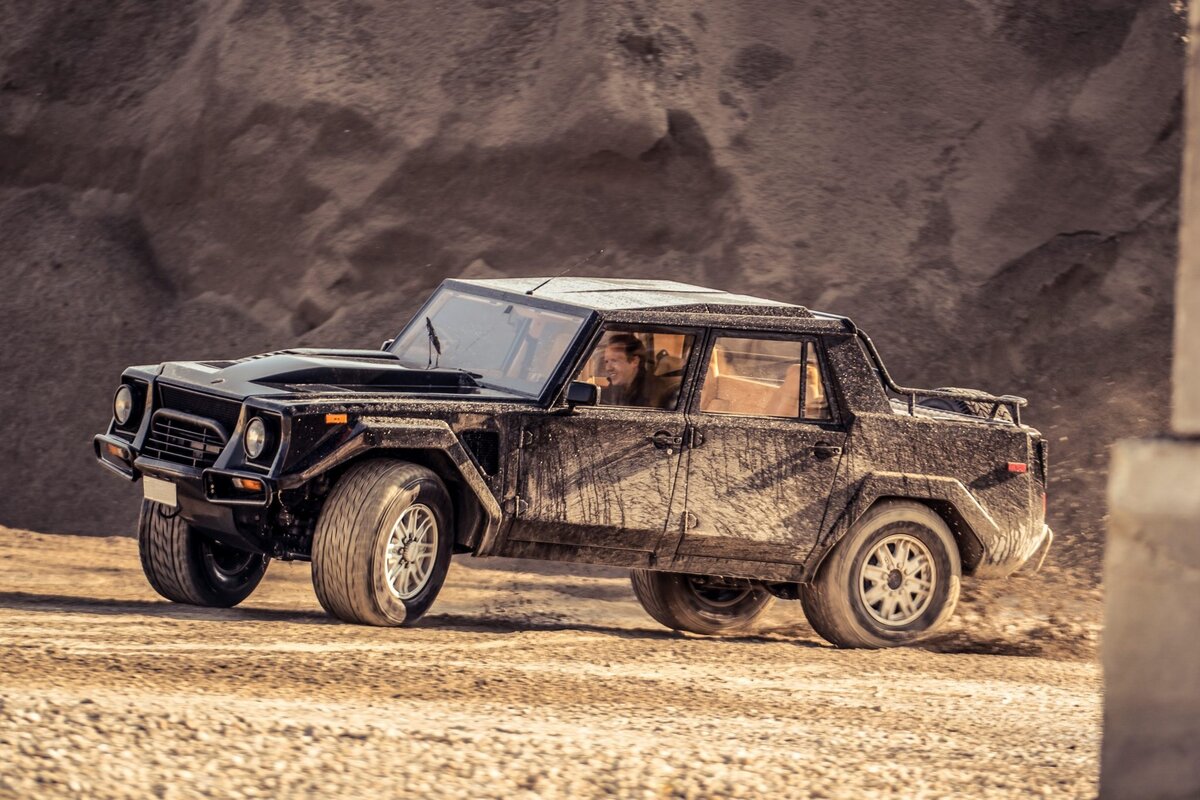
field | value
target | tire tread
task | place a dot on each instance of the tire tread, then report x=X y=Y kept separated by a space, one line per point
x=660 y=596
x=163 y=546
x=829 y=613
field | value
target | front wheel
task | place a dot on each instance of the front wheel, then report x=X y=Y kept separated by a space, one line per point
x=185 y=565
x=382 y=545
x=699 y=604
x=893 y=580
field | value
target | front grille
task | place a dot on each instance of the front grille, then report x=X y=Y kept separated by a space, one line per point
x=226 y=412
x=189 y=427
x=183 y=439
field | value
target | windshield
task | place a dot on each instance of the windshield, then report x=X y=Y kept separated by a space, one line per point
x=504 y=345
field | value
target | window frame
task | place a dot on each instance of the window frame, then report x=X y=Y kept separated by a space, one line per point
x=806 y=339
x=690 y=366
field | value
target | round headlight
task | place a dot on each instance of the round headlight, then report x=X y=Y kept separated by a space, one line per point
x=255 y=438
x=123 y=405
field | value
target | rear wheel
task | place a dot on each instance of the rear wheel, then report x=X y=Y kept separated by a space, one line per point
x=382 y=545
x=186 y=565
x=893 y=580
x=700 y=604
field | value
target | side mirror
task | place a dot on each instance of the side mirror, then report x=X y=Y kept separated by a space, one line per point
x=581 y=393
x=386 y=344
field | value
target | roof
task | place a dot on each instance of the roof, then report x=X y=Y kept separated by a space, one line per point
x=613 y=294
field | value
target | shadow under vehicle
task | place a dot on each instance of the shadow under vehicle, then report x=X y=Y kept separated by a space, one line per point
x=728 y=450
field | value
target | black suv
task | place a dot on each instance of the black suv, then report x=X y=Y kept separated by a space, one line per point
x=726 y=449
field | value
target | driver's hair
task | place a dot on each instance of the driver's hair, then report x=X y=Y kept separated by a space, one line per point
x=632 y=346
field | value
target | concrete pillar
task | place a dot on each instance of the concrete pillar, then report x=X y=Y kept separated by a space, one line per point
x=1152 y=556
x=1185 y=395
x=1152 y=623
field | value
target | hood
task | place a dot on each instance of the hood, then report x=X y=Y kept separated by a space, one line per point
x=324 y=371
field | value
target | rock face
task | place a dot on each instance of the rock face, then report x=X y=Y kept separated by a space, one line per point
x=987 y=186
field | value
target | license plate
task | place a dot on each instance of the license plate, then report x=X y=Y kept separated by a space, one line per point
x=159 y=491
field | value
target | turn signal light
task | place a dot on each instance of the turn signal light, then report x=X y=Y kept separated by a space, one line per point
x=114 y=451
x=1017 y=466
x=248 y=484
x=336 y=419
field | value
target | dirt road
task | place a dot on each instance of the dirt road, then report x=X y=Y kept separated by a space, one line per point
x=518 y=684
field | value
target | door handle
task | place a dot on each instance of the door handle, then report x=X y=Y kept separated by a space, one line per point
x=664 y=440
x=826 y=450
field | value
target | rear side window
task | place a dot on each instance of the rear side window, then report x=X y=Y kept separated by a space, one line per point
x=765 y=378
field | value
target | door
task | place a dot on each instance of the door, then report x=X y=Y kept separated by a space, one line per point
x=605 y=476
x=766 y=442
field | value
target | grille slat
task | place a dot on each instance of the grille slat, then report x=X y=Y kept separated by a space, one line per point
x=183 y=448
x=226 y=412
x=192 y=435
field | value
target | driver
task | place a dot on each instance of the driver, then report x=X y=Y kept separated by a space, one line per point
x=631 y=382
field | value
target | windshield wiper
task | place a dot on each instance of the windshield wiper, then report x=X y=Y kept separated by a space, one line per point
x=435 y=344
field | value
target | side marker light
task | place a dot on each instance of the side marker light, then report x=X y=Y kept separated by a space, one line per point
x=336 y=419
x=1017 y=466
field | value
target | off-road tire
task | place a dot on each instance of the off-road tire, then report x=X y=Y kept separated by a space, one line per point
x=185 y=565
x=974 y=408
x=349 y=551
x=673 y=599
x=834 y=603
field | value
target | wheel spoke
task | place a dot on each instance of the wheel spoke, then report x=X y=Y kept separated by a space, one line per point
x=411 y=552
x=890 y=606
x=876 y=574
x=418 y=577
x=902 y=556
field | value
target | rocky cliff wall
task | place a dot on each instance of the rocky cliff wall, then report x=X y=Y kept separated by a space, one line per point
x=987 y=186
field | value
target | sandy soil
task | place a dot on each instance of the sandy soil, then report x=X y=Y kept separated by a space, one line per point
x=548 y=684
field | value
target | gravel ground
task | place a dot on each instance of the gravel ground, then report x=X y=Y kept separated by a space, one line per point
x=520 y=684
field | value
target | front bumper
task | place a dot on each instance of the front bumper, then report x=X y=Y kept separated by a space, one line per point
x=221 y=486
x=210 y=499
x=116 y=455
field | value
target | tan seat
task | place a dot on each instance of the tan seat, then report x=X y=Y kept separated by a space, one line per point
x=734 y=394
x=786 y=402
x=816 y=404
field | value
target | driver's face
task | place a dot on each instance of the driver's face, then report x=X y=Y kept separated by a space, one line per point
x=620 y=369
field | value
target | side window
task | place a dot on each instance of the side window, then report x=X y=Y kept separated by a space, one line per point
x=638 y=368
x=765 y=378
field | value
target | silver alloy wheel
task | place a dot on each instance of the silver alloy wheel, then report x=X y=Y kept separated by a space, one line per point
x=411 y=551
x=897 y=579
